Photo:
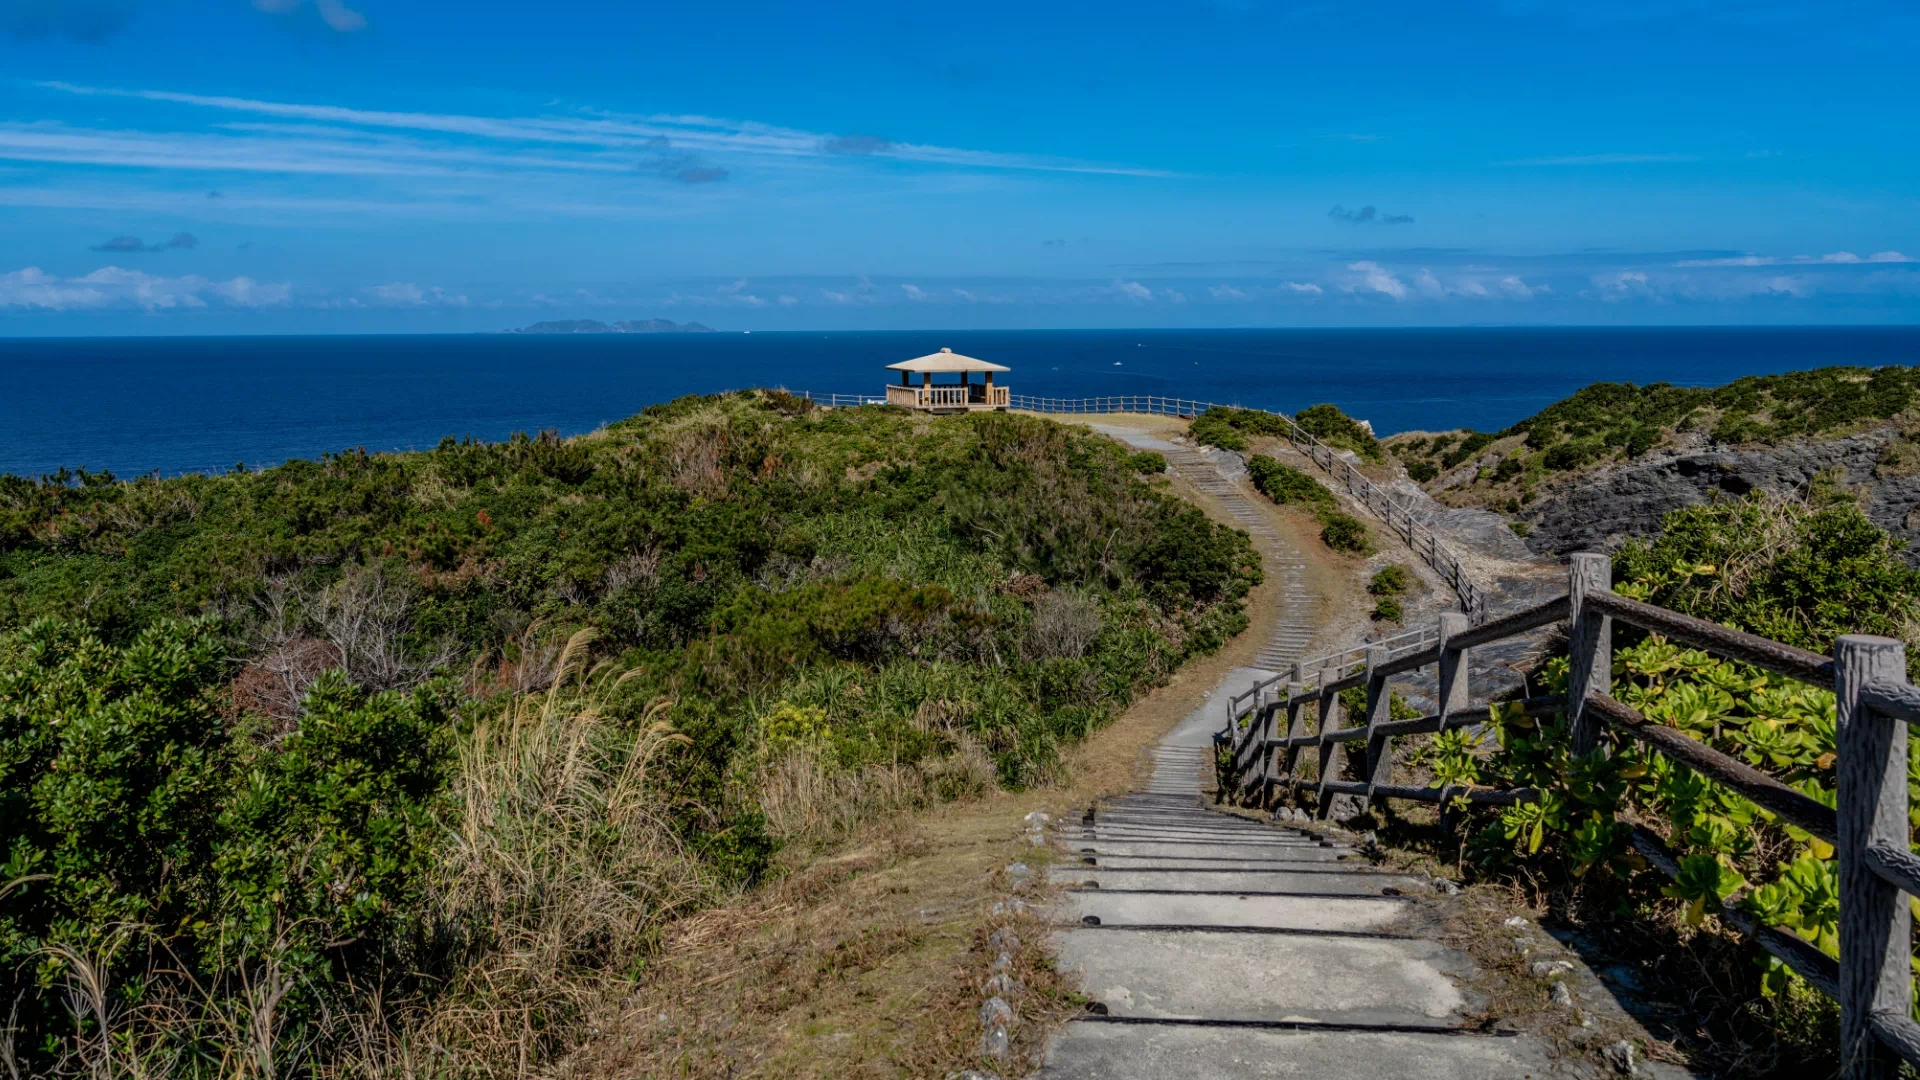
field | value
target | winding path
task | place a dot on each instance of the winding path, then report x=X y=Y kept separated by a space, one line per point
x=1215 y=945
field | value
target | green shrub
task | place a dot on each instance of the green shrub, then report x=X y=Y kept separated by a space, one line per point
x=1387 y=609
x=1148 y=462
x=1335 y=428
x=208 y=800
x=1390 y=581
x=1214 y=428
x=138 y=820
x=1286 y=485
x=1344 y=532
x=1422 y=471
x=1471 y=443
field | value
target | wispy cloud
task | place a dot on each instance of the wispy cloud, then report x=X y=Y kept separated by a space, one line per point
x=117 y=287
x=1836 y=258
x=133 y=245
x=614 y=131
x=1606 y=159
x=337 y=16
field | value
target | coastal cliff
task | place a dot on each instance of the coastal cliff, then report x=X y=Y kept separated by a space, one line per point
x=1607 y=464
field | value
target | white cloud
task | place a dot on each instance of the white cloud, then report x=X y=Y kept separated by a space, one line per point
x=966 y=295
x=1174 y=295
x=788 y=301
x=1605 y=159
x=1428 y=284
x=1622 y=285
x=1833 y=258
x=408 y=294
x=117 y=287
x=727 y=290
x=1513 y=286
x=1226 y=292
x=1376 y=279
x=914 y=293
x=1133 y=290
x=1307 y=288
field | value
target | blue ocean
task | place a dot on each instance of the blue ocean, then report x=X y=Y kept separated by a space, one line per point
x=174 y=405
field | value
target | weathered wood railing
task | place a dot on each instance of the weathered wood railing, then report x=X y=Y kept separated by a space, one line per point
x=1401 y=519
x=1872 y=980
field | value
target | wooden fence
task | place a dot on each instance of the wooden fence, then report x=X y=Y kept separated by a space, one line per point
x=1872 y=980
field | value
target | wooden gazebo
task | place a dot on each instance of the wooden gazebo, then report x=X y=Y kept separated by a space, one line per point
x=964 y=396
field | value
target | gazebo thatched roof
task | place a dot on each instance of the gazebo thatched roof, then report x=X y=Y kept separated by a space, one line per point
x=943 y=362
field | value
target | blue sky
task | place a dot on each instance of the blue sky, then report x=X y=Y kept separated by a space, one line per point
x=312 y=166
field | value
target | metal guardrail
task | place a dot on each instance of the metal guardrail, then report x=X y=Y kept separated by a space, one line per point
x=1872 y=980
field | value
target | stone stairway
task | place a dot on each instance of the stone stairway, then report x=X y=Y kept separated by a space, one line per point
x=1292 y=632
x=1213 y=945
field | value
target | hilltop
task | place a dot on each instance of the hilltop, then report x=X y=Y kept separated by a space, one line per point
x=1608 y=462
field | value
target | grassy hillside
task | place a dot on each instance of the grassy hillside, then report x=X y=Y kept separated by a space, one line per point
x=1615 y=422
x=382 y=755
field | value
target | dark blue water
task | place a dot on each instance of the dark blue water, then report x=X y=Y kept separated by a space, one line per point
x=134 y=405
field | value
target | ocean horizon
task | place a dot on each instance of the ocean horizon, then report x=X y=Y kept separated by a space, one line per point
x=172 y=405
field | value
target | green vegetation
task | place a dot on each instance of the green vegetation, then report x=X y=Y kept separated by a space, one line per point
x=1340 y=431
x=348 y=761
x=1391 y=580
x=1147 y=462
x=1287 y=486
x=1388 y=609
x=1612 y=422
x=1229 y=429
x=1799 y=573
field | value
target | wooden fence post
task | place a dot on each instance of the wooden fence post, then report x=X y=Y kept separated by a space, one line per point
x=1870 y=786
x=1332 y=754
x=1296 y=725
x=1262 y=703
x=1454 y=692
x=1379 y=762
x=1590 y=645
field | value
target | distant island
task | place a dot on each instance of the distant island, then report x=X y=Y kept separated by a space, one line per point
x=625 y=326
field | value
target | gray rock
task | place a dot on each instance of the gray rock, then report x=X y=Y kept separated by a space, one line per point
x=1517 y=923
x=1547 y=969
x=1003 y=961
x=1619 y=1055
x=1037 y=820
x=995 y=1010
x=1001 y=985
x=1599 y=510
x=1019 y=871
x=1561 y=996
x=1003 y=940
x=972 y=1074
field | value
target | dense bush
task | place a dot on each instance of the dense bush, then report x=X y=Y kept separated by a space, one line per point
x=199 y=791
x=1147 y=462
x=1344 y=532
x=1796 y=572
x=1287 y=485
x=1340 y=431
x=1390 y=580
x=1388 y=609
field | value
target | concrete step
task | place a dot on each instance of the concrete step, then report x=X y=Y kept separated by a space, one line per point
x=1109 y=1051
x=1253 y=861
x=1341 y=882
x=1161 y=849
x=1352 y=914
x=1353 y=980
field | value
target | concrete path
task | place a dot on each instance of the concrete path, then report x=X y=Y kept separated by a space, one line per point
x=1213 y=945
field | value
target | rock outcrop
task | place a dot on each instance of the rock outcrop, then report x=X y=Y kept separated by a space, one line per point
x=1602 y=509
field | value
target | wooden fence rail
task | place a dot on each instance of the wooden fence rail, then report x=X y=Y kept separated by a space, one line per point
x=1872 y=980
